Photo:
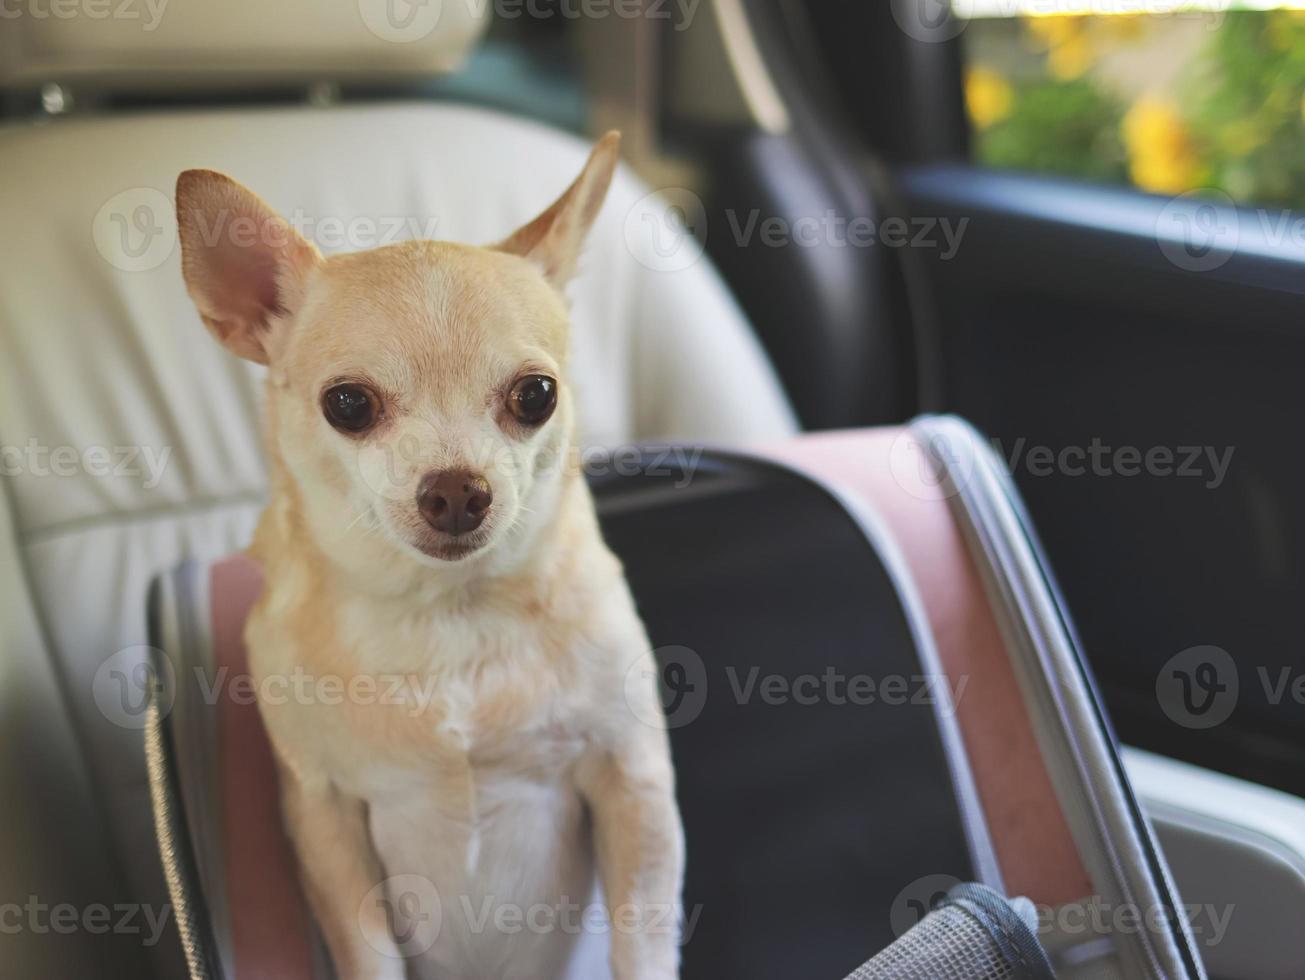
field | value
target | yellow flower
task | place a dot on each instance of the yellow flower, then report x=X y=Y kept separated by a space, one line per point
x=988 y=96
x=1070 y=60
x=1049 y=31
x=1065 y=39
x=1124 y=26
x=1161 y=157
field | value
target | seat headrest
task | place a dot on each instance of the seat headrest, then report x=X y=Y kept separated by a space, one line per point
x=158 y=45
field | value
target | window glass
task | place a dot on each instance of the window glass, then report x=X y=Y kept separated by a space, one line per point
x=1167 y=96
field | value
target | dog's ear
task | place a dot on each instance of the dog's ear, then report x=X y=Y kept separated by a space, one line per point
x=553 y=240
x=243 y=263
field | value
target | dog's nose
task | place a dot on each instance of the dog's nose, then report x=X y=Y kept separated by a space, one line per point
x=454 y=501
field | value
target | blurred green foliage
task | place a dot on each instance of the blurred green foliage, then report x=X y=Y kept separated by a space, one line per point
x=1234 y=122
x=1056 y=127
x=1245 y=107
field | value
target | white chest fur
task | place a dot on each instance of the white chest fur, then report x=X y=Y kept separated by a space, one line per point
x=461 y=734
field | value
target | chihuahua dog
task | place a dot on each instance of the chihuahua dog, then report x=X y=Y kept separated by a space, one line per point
x=482 y=770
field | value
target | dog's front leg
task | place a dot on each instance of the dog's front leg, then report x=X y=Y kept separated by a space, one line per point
x=630 y=790
x=339 y=868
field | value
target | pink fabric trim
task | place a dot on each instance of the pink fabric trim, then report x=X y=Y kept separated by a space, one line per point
x=271 y=937
x=1035 y=850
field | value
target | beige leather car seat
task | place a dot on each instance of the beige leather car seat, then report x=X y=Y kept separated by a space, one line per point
x=130 y=439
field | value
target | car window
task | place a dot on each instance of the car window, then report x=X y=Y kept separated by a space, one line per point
x=1167 y=96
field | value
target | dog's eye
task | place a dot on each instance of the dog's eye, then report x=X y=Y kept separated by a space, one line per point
x=350 y=407
x=532 y=399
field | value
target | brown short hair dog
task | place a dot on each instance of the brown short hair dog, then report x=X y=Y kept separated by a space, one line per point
x=425 y=532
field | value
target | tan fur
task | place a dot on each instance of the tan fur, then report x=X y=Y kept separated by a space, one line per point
x=514 y=756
